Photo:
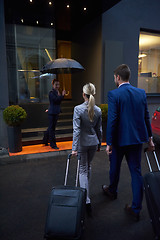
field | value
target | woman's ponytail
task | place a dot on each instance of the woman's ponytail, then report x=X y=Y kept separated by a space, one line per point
x=89 y=90
x=91 y=104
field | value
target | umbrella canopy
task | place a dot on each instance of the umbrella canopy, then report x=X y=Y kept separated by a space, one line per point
x=62 y=65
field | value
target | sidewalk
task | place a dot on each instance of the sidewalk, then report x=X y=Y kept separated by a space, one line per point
x=25 y=187
x=39 y=151
x=34 y=152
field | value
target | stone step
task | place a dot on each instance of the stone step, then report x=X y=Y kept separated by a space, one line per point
x=60 y=122
x=39 y=139
x=65 y=122
x=67 y=109
x=68 y=103
x=33 y=132
x=38 y=117
x=64 y=128
x=65 y=115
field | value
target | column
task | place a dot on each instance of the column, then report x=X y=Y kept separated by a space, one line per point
x=4 y=100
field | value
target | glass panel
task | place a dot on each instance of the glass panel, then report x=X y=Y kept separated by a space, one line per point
x=33 y=47
x=149 y=62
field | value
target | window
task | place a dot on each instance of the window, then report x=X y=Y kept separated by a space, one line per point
x=28 y=49
x=149 y=62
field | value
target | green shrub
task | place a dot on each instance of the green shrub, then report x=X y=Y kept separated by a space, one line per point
x=14 y=115
x=104 y=109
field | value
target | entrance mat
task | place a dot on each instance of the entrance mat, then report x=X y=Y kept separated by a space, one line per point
x=40 y=148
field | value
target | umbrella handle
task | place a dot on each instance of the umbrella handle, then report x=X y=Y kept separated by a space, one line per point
x=65 y=88
x=67 y=93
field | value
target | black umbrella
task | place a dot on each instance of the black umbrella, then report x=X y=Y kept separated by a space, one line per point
x=62 y=65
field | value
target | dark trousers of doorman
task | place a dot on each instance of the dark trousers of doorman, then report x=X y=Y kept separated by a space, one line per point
x=50 y=133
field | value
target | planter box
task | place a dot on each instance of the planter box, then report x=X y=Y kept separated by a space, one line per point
x=14 y=139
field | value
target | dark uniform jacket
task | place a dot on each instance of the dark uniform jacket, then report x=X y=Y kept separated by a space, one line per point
x=55 y=101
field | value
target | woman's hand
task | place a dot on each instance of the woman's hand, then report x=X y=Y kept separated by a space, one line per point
x=74 y=153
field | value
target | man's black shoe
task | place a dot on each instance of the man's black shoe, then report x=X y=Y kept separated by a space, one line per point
x=107 y=192
x=54 y=147
x=128 y=209
x=45 y=142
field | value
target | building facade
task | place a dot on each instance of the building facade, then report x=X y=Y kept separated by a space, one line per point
x=128 y=32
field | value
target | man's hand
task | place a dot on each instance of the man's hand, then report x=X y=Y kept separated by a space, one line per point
x=109 y=149
x=151 y=146
x=63 y=92
x=74 y=153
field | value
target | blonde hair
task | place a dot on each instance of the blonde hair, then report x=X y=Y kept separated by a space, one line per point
x=89 y=90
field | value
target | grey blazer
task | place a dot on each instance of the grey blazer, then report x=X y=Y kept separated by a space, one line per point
x=85 y=132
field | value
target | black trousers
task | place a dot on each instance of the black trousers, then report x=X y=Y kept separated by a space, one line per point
x=49 y=135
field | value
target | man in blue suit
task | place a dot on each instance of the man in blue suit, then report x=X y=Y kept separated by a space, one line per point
x=55 y=99
x=128 y=127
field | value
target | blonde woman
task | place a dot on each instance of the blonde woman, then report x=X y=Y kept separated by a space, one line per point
x=87 y=134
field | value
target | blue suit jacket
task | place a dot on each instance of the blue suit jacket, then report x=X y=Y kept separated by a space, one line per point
x=55 y=101
x=128 y=117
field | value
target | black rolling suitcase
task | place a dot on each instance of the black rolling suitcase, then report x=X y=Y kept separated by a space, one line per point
x=152 y=194
x=66 y=210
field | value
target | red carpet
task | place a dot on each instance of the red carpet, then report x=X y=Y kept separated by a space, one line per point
x=40 y=148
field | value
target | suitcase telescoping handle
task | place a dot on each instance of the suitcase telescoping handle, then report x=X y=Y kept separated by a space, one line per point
x=67 y=168
x=154 y=153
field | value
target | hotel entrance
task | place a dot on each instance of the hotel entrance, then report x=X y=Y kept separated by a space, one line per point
x=29 y=48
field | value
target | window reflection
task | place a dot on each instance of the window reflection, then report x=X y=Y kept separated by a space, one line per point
x=149 y=62
x=33 y=47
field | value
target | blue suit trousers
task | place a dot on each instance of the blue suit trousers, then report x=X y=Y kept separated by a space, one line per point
x=132 y=154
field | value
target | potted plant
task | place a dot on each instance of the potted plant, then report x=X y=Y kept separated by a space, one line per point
x=14 y=115
x=104 y=109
